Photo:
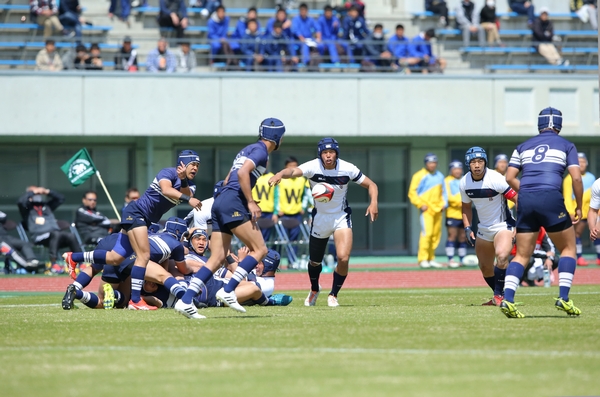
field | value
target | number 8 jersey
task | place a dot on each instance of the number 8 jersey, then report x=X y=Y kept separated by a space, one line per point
x=543 y=160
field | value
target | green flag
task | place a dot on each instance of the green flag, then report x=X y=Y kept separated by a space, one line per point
x=79 y=168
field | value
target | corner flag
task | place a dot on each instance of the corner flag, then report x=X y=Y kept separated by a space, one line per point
x=79 y=167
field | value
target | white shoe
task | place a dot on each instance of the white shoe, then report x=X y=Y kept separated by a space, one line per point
x=435 y=264
x=188 y=310
x=311 y=299
x=229 y=299
x=332 y=301
x=424 y=264
x=453 y=264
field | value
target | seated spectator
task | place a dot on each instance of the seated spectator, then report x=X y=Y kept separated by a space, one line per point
x=467 y=20
x=37 y=208
x=330 y=30
x=523 y=7
x=376 y=52
x=221 y=48
x=186 y=58
x=69 y=15
x=250 y=46
x=421 y=48
x=173 y=14
x=542 y=34
x=307 y=31
x=45 y=13
x=359 y=5
x=121 y=9
x=242 y=23
x=208 y=6
x=48 y=59
x=161 y=59
x=94 y=62
x=355 y=32
x=489 y=22
x=90 y=223
x=277 y=50
x=132 y=194
x=438 y=7
x=399 y=46
x=286 y=24
x=126 y=58
x=80 y=56
x=16 y=249
x=586 y=10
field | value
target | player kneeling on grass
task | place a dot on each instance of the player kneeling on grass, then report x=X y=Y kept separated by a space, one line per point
x=488 y=191
x=331 y=216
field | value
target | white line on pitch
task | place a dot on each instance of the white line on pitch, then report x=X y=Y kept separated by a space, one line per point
x=32 y=305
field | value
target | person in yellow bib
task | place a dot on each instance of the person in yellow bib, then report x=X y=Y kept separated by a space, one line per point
x=427 y=192
x=267 y=198
x=588 y=180
x=457 y=240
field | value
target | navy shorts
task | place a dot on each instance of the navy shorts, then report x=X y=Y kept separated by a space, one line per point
x=134 y=217
x=208 y=293
x=118 y=274
x=542 y=208
x=229 y=211
x=452 y=222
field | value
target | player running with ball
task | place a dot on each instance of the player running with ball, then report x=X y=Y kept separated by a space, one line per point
x=332 y=217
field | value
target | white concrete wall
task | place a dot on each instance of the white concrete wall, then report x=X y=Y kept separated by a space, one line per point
x=310 y=105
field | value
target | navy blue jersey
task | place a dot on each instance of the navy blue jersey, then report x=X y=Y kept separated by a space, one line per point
x=164 y=295
x=164 y=246
x=208 y=292
x=153 y=203
x=543 y=160
x=108 y=242
x=258 y=154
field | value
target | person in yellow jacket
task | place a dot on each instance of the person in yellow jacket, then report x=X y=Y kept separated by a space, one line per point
x=427 y=192
x=267 y=198
x=588 y=180
x=454 y=223
x=501 y=166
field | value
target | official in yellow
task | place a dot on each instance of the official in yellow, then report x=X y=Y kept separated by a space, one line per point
x=427 y=192
x=588 y=180
x=267 y=198
x=454 y=223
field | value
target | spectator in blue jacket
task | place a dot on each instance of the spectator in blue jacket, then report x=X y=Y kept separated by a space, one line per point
x=173 y=14
x=307 y=31
x=161 y=59
x=242 y=23
x=250 y=46
x=330 y=30
x=286 y=24
x=120 y=8
x=438 y=7
x=523 y=7
x=69 y=14
x=278 y=50
x=221 y=48
x=421 y=48
x=355 y=32
x=399 y=46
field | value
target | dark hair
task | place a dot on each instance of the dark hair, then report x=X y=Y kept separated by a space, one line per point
x=278 y=24
x=378 y=26
x=353 y=8
x=252 y=9
x=281 y=9
x=251 y=20
x=303 y=5
x=50 y=41
x=399 y=26
x=80 y=48
x=430 y=33
x=95 y=47
x=220 y=8
x=131 y=190
x=88 y=192
x=291 y=159
x=328 y=8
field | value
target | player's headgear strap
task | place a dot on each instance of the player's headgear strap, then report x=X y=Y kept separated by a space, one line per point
x=188 y=156
x=328 y=144
x=430 y=158
x=455 y=164
x=500 y=157
x=271 y=261
x=175 y=226
x=475 y=152
x=550 y=118
x=272 y=129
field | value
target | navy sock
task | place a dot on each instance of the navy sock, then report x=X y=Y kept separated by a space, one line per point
x=566 y=271
x=137 y=280
x=119 y=298
x=491 y=282
x=499 y=285
x=263 y=300
x=514 y=272
x=174 y=287
x=450 y=249
x=78 y=294
x=96 y=257
x=338 y=281
x=313 y=273
x=82 y=280
x=579 y=247
x=200 y=278
x=89 y=299
x=597 y=246
x=240 y=273
x=462 y=250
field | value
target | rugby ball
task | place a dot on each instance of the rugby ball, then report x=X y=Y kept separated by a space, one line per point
x=322 y=192
x=470 y=260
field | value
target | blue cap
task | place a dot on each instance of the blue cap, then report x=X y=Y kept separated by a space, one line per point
x=328 y=144
x=500 y=157
x=430 y=158
x=550 y=118
x=175 y=226
x=188 y=156
x=455 y=164
x=199 y=232
x=271 y=261
x=272 y=129
x=154 y=227
x=474 y=153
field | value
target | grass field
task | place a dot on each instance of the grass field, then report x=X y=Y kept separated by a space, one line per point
x=418 y=342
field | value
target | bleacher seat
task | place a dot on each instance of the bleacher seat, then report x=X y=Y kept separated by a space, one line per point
x=34 y=27
x=533 y=68
x=341 y=66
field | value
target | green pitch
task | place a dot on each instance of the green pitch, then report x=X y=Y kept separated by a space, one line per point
x=429 y=342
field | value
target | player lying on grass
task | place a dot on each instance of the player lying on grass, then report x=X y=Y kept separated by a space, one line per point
x=544 y=257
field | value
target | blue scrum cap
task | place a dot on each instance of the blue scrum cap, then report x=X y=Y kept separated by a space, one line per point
x=475 y=152
x=500 y=157
x=550 y=118
x=430 y=158
x=272 y=129
x=188 y=156
x=175 y=226
x=271 y=261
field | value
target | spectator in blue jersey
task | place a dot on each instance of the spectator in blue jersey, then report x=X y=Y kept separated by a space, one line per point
x=222 y=49
x=523 y=7
x=69 y=14
x=250 y=46
x=235 y=212
x=542 y=161
x=399 y=46
x=307 y=31
x=241 y=27
x=119 y=8
x=91 y=224
x=330 y=30
x=278 y=50
x=421 y=48
x=286 y=24
x=355 y=32
x=173 y=14
x=161 y=59
x=438 y=7
x=377 y=55
x=170 y=187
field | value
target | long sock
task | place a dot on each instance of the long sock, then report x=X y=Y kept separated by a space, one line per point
x=14 y=255
x=313 y=273
x=89 y=299
x=579 y=247
x=499 y=285
x=566 y=271
x=82 y=280
x=119 y=298
x=462 y=250
x=514 y=272
x=200 y=278
x=450 y=249
x=491 y=282
x=240 y=273
x=97 y=257
x=338 y=281
x=173 y=285
x=597 y=246
x=263 y=300
x=137 y=280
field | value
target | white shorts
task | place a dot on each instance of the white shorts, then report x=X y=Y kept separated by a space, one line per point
x=324 y=225
x=488 y=233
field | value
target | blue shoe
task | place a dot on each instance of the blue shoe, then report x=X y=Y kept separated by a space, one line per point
x=281 y=300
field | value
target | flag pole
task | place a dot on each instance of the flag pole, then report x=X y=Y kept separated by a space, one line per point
x=108 y=195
